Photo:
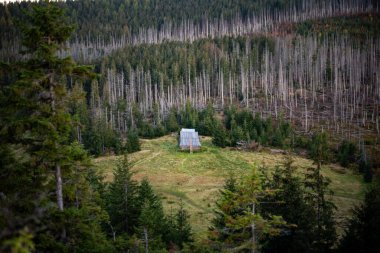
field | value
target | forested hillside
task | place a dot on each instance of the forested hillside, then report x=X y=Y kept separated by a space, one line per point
x=264 y=72
x=316 y=63
x=291 y=76
x=103 y=26
x=306 y=78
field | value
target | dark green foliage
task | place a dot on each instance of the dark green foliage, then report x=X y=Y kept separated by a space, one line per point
x=104 y=19
x=84 y=233
x=136 y=213
x=44 y=117
x=282 y=133
x=189 y=116
x=136 y=117
x=121 y=202
x=319 y=149
x=239 y=125
x=304 y=206
x=218 y=232
x=277 y=139
x=133 y=142
x=223 y=236
x=93 y=141
x=77 y=107
x=152 y=223
x=182 y=227
x=236 y=134
x=238 y=223
x=363 y=230
x=35 y=140
x=347 y=153
x=159 y=130
x=18 y=210
x=117 y=17
x=219 y=135
x=244 y=126
x=207 y=121
x=149 y=127
x=96 y=182
x=289 y=201
x=100 y=139
x=358 y=26
x=83 y=214
x=365 y=166
x=146 y=130
x=97 y=136
x=299 y=141
x=317 y=189
x=169 y=63
x=179 y=229
x=171 y=122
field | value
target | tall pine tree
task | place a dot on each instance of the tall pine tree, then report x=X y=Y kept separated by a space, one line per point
x=40 y=165
x=363 y=231
x=289 y=201
x=122 y=204
x=318 y=191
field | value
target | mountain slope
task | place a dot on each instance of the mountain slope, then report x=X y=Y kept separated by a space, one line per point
x=196 y=178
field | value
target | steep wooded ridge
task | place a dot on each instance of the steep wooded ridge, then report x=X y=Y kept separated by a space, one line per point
x=316 y=62
x=314 y=81
x=299 y=75
x=103 y=26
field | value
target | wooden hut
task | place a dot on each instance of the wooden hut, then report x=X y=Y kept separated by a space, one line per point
x=189 y=140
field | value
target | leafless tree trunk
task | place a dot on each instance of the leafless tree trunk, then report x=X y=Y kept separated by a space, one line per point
x=146 y=240
x=58 y=180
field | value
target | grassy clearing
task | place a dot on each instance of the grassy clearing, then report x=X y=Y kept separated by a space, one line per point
x=196 y=178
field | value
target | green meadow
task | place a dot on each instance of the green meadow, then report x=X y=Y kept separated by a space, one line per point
x=195 y=178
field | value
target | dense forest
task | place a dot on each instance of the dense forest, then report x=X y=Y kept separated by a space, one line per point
x=302 y=76
x=103 y=26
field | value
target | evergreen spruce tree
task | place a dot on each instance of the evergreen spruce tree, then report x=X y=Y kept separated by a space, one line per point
x=278 y=139
x=44 y=73
x=183 y=233
x=136 y=118
x=236 y=134
x=77 y=106
x=363 y=230
x=218 y=232
x=319 y=149
x=189 y=117
x=368 y=174
x=207 y=121
x=93 y=139
x=365 y=166
x=243 y=224
x=171 y=121
x=152 y=223
x=219 y=135
x=289 y=201
x=37 y=157
x=346 y=153
x=122 y=205
x=133 y=142
x=317 y=186
x=83 y=214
